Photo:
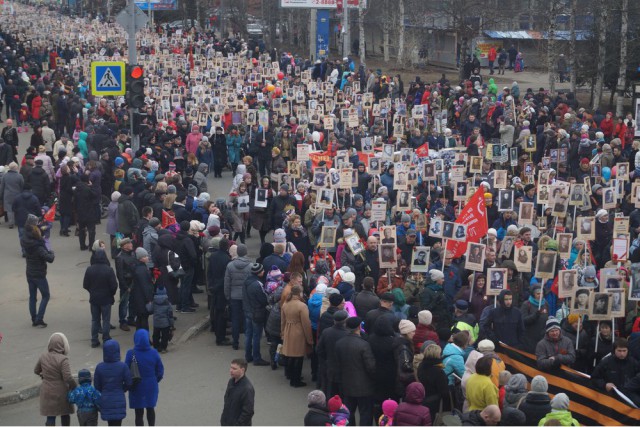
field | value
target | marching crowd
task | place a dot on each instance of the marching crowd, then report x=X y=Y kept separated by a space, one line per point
x=412 y=343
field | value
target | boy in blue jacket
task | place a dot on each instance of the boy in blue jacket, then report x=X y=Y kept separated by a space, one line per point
x=85 y=397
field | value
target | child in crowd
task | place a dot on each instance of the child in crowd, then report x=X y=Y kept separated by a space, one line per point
x=389 y=407
x=86 y=398
x=338 y=413
x=162 y=320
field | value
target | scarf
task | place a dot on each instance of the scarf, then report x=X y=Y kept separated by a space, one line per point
x=535 y=302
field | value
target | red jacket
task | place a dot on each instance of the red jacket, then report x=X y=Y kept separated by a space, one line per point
x=607 y=127
x=424 y=333
x=492 y=54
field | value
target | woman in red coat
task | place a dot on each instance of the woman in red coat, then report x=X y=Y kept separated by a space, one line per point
x=36 y=103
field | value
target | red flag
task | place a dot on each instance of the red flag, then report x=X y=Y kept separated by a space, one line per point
x=423 y=150
x=474 y=215
x=50 y=216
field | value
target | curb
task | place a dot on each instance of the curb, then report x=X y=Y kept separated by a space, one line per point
x=194 y=330
x=29 y=392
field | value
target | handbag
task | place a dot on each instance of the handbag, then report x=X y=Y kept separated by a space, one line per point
x=135 y=371
x=440 y=416
x=176 y=270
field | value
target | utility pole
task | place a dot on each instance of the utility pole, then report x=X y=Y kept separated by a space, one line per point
x=313 y=33
x=346 y=36
x=133 y=59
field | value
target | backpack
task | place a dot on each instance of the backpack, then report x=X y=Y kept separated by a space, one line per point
x=173 y=264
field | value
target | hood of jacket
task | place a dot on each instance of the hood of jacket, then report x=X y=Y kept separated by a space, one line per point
x=100 y=257
x=241 y=262
x=241 y=170
x=58 y=343
x=472 y=359
x=384 y=327
x=451 y=350
x=415 y=393
x=150 y=231
x=165 y=241
x=29 y=240
x=141 y=340
x=315 y=301
x=161 y=298
x=203 y=168
x=111 y=351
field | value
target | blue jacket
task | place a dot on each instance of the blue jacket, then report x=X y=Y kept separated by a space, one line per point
x=233 y=148
x=315 y=304
x=453 y=361
x=145 y=394
x=386 y=179
x=85 y=396
x=346 y=290
x=112 y=379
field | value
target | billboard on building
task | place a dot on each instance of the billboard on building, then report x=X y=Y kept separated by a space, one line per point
x=309 y=4
x=157 y=4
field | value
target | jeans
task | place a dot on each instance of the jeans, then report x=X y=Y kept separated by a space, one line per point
x=491 y=67
x=123 y=308
x=252 y=335
x=237 y=314
x=20 y=234
x=98 y=313
x=65 y=222
x=65 y=420
x=364 y=404
x=185 y=289
x=35 y=285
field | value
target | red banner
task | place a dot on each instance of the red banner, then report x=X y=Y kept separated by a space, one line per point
x=474 y=215
x=318 y=157
x=423 y=150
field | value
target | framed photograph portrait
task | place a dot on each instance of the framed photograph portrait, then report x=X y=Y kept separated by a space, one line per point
x=328 y=236
x=261 y=198
x=404 y=200
x=523 y=259
x=474 y=258
x=387 y=255
x=500 y=179
x=600 y=306
x=325 y=198
x=420 y=259
x=530 y=144
x=293 y=168
x=617 y=303
x=546 y=264
x=609 y=198
x=505 y=200
x=354 y=244
x=497 y=281
x=388 y=235
x=576 y=194
x=460 y=193
x=429 y=173
x=567 y=283
x=506 y=247
x=525 y=214
x=564 y=244
x=586 y=228
x=543 y=194
x=580 y=301
x=560 y=205
x=622 y=171
x=475 y=166
x=436 y=227
x=375 y=166
x=459 y=232
x=447 y=231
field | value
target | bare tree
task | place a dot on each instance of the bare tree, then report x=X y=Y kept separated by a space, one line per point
x=602 y=39
x=400 y=58
x=573 y=74
x=551 y=44
x=622 y=77
x=361 y=36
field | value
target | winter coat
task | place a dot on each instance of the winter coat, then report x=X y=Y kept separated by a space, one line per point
x=534 y=324
x=239 y=401
x=200 y=178
x=503 y=324
x=434 y=299
x=424 y=333
x=315 y=304
x=37 y=255
x=162 y=311
x=254 y=299
x=112 y=379
x=100 y=280
x=481 y=392
x=234 y=143
x=365 y=301
x=382 y=340
x=142 y=289
x=295 y=328
x=614 y=370
x=86 y=201
x=565 y=418
x=453 y=361
x=356 y=365
x=218 y=261
x=65 y=198
x=145 y=394
x=186 y=250
x=403 y=355
x=535 y=406
x=128 y=215
x=47 y=165
x=40 y=184
x=275 y=260
x=112 y=218
x=325 y=349
x=431 y=374
x=10 y=187
x=317 y=416
x=237 y=272
x=24 y=204
x=192 y=142
x=563 y=351
x=411 y=412
x=53 y=367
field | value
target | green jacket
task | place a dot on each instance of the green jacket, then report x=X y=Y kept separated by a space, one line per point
x=564 y=417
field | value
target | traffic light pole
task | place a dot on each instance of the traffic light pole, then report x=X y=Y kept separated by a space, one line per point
x=133 y=59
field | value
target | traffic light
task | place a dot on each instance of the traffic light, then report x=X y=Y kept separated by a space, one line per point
x=135 y=86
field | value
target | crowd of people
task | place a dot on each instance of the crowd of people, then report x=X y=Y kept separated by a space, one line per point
x=354 y=186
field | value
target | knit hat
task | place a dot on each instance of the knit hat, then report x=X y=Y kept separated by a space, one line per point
x=387 y=296
x=436 y=275
x=192 y=190
x=406 y=326
x=185 y=225
x=493 y=232
x=539 y=384
x=84 y=376
x=601 y=213
x=141 y=253
x=335 y=299
x=589 y=272
x=353 y=322
x=389 y=407
x=551 y=245
x=321 y=288
x=125 y=241
x=425 y=317
x=486 y=346
x=154 y=222
x=119 y=161
x=560 y=402
x=405 y=218
x=573 y=318
x=115 y=196
x=584 y=161
x=340 y=316
x=279 y=236
x=349 y=278
x=317 y=398
x=242 y=249
x=552 y=323
x=213 y=231
x=512 y=229
x=256 y=268
x=334 y=404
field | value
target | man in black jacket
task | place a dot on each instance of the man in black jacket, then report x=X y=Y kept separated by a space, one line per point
x=125 y=264
x=86 y=200
x=336 y=302
x=504 y=323
x=37 y=256
x=186 y=250
x=100 y=281
x=328 y=365
x=278 y=205
x=25 y=204
x=39 y=181
x=386 y=301
x=217 y=265
x=254 y=303
x=616 y=369
x=366 y=300
x=356 y=365
x=239 y=397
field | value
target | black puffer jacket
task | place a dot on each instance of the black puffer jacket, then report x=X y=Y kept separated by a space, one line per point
x=142 y=289
x=40 y=184
x=86 y=202
x=382 y=345
x=100 y=280
x=37 y=254
x=535 y=407
x=356 y=364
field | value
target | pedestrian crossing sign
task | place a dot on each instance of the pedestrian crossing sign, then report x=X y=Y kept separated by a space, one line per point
x=108 y=78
